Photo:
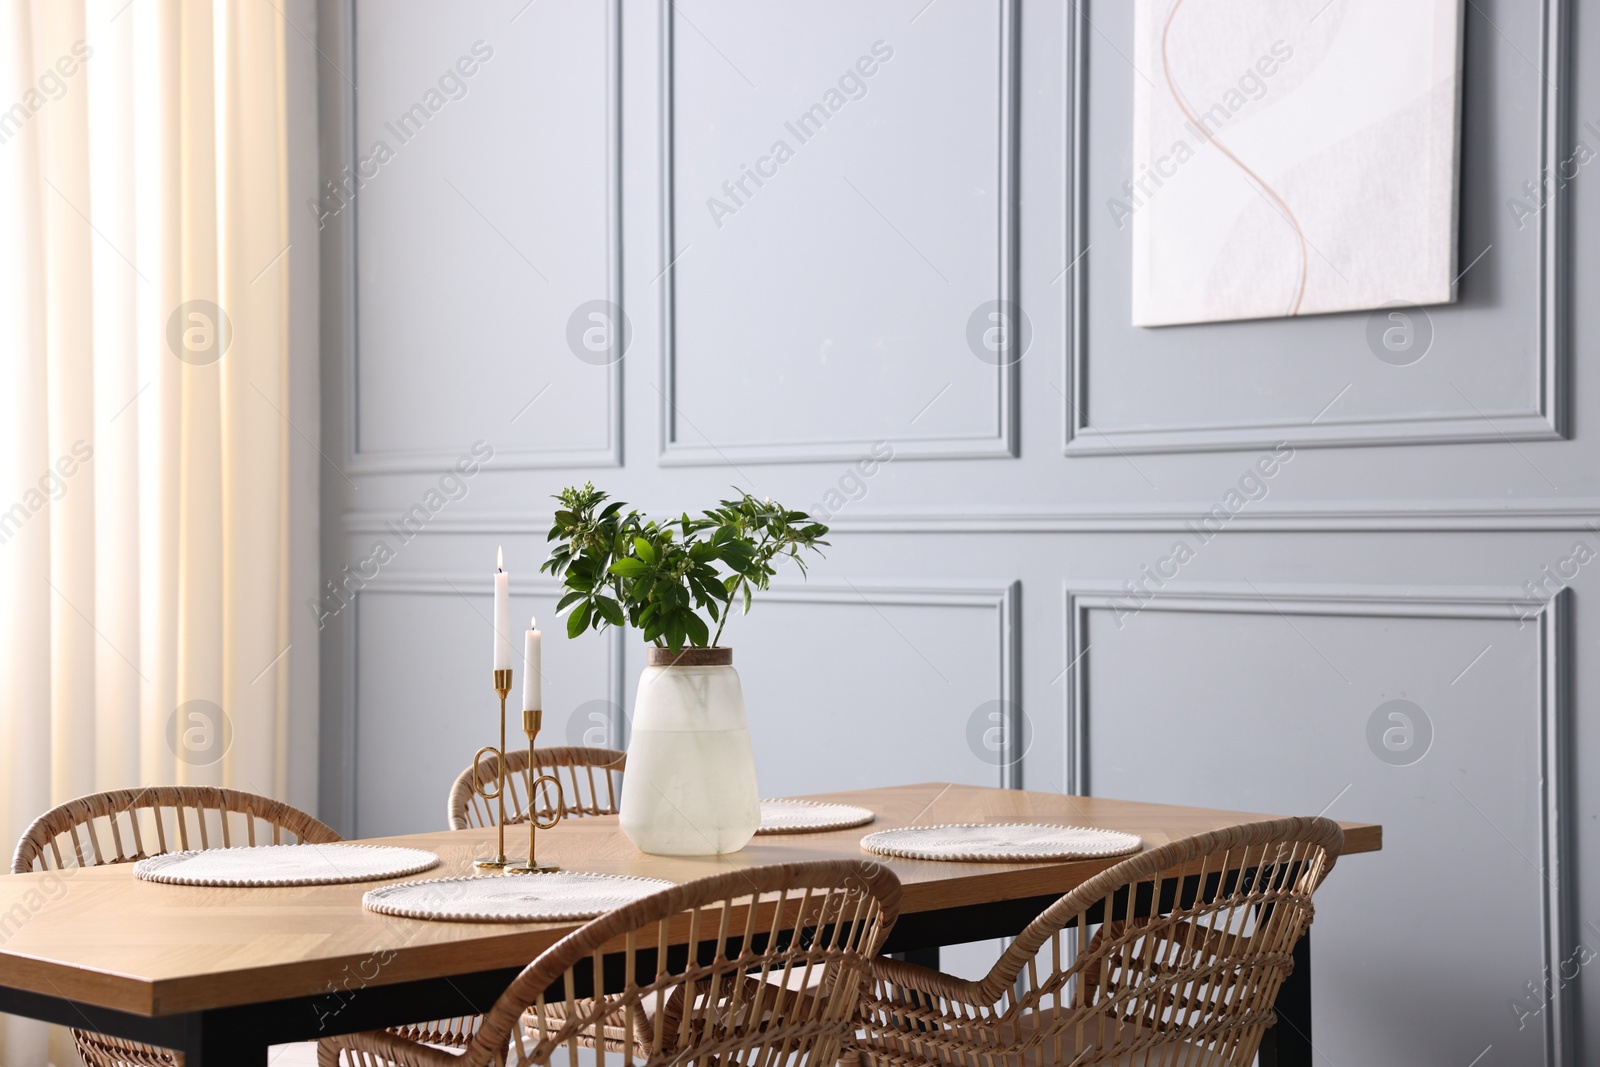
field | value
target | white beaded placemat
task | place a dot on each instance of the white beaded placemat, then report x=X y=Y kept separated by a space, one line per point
x=283 y=865
x=1005 y=842
x=512 y=898
x=810 y=816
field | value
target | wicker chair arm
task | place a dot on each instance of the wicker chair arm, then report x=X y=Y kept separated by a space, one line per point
x=898 y=974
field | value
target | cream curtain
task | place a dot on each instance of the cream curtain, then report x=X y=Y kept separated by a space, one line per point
x=144 y=403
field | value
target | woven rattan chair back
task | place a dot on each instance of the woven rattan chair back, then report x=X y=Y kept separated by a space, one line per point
x=759 y=966
x=125 y=825
x=591 y=784
x=1171 y=958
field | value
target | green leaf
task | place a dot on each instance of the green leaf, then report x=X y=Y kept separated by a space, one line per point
x=609 y=610
x=747 y=599
x=578 y=621
x=629 y=568
x=611 y=509
x=568 y=600
x=707 y=591
x=645 y=552
x=565 y=518
x=697 y=630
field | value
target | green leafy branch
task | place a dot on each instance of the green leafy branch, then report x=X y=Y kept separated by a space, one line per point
x=669 y=580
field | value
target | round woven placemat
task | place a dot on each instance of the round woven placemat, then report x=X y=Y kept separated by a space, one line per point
x=1005 y=842
x=511 y=898
x=809 y=816
x=281 y=865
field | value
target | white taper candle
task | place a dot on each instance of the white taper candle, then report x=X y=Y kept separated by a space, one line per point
x=532 y=671
x=502 y=613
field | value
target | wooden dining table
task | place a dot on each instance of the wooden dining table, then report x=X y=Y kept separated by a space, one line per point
x=222 y=974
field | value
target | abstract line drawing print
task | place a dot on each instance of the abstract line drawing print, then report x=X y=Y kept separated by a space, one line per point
x=1266 y=190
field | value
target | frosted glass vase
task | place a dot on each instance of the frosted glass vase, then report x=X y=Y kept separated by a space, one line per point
x=690 y=787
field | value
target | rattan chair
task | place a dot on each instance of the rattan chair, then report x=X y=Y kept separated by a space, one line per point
x=125 y=825
x=591 y=783
x=778 y=983
x=1104 y=977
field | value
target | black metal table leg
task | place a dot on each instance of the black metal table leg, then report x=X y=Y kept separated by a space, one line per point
x=1289 y=1043
x=224 y=1038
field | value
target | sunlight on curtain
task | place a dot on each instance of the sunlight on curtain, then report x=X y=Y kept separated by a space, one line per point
x=144 y=434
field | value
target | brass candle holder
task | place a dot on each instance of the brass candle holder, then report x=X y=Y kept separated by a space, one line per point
x=531 y=721
x=502 y=685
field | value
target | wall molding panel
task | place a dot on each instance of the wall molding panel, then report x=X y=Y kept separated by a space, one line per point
x=1006 y=602
x=460 y=585
x=674 y=450
x=1557 y=817
x=1546 y=420
x=1577 y=514
x=358 y=460
x=1430 y=517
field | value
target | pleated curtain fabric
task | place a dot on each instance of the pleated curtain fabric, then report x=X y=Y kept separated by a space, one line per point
x=144 y=414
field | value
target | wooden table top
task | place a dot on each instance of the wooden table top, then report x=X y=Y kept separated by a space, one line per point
x=101 y=936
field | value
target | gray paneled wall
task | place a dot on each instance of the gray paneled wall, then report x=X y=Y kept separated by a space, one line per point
x=674 y=248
